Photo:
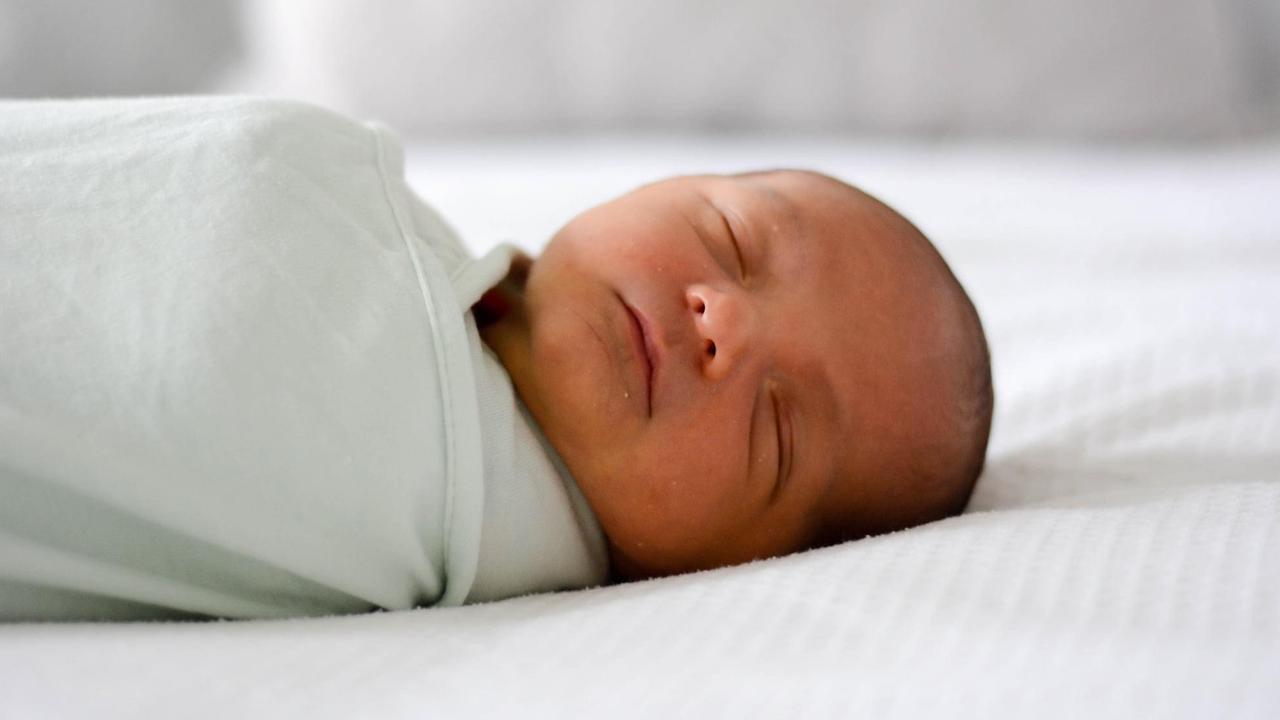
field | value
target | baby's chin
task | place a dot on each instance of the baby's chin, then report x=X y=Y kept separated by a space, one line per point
x=638 y=552
x=642 y=564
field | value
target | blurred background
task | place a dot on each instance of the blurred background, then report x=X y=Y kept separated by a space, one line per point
x=1002 y=127
x=1155 y=71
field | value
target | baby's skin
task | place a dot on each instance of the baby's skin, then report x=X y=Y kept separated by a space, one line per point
x=740 y=367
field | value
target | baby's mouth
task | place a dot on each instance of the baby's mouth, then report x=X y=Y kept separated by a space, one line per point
x=642 y=348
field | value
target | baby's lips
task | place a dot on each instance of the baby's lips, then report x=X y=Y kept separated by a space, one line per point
x=653 y=353
x=640 y=347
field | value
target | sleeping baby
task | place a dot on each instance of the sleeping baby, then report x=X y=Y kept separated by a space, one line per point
x=246 y=372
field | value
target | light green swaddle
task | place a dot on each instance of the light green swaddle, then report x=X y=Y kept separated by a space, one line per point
x=239 y=378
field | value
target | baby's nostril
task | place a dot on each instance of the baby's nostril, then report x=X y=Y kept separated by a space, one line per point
x=711 y=349
x=700 y=307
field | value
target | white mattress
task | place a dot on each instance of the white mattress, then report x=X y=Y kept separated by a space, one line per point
x=1120 y=558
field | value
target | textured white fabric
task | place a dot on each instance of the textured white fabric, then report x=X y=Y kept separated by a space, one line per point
x=1119 y=559
x=240 y=379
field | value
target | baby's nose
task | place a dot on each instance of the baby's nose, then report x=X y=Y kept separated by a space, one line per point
x=724 y=324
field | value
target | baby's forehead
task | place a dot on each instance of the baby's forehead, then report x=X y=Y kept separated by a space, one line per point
x=803 y=195
x=826 y=216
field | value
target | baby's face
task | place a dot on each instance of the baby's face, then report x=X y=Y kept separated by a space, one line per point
x=727 y=363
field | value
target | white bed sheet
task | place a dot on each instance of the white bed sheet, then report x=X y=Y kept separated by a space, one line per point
x=1121 y=556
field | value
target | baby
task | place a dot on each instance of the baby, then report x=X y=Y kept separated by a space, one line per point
x=742 y=367
x=248 y=373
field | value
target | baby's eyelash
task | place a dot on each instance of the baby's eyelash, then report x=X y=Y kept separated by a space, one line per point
x=777 y=424
x=737 y=250
x=733 y=240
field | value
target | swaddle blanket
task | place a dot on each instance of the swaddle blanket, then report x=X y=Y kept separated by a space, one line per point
x=239 y=377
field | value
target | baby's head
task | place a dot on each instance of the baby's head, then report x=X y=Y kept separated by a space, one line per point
x=739 y=367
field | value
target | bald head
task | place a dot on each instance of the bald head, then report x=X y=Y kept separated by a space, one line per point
x=739 y=367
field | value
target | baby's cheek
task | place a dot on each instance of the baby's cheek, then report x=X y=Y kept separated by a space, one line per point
x=686 y=489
